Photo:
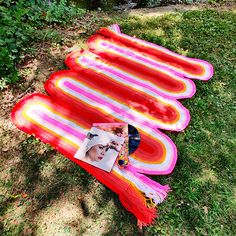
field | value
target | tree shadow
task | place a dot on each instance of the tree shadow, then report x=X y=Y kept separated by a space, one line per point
x=38 y=192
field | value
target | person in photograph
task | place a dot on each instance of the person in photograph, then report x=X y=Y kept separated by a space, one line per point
x=97 y=148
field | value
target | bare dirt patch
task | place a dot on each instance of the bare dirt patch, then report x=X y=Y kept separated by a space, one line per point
x=73 y=214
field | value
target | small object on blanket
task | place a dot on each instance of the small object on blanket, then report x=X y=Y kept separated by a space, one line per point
x=122 y=161
x=134 y=138
x=101 y=148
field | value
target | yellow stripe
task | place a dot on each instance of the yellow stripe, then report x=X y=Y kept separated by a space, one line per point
x=48 y=130
x=143 y=114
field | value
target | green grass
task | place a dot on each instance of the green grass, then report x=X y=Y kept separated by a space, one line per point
x=203 y=198
x=26 y=23
x=203 y=182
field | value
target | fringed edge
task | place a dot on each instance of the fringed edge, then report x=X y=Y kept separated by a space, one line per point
x=115 y=28
x=134 y=201
x=142 y=197
x=149 y=187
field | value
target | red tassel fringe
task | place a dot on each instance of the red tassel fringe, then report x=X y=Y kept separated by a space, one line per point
x=134 y=202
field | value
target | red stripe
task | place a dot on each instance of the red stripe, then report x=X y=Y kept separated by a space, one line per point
x=89 y=115
x=130 y=97
x=157 y=54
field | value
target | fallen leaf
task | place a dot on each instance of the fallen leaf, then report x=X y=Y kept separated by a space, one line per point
x=15 y=196
x=5 y=149
x=24 y=195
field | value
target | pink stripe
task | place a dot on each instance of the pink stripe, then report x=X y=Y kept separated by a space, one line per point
x=160 y=48
x=157 y=171
x=127 y=78
x=117 y=28
x=70 y=130
x=181 y=109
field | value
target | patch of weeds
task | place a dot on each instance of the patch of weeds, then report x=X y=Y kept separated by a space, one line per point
x=62 y=12
x=25 y=23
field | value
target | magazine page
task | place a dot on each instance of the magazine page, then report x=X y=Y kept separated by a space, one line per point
x=121 y=130
x=100 y=149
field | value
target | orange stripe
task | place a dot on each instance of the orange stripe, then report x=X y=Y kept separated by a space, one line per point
x=49 y=130
x=83 y=82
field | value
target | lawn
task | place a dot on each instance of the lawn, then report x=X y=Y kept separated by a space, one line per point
x=43 y=193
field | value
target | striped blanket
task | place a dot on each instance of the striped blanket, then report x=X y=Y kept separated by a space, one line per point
x=119 y=79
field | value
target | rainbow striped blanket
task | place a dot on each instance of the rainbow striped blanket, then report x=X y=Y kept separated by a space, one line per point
x=119 y=79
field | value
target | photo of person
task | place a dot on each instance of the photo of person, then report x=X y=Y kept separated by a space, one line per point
x=121 y=130
x=100 y=149
x=98 y=146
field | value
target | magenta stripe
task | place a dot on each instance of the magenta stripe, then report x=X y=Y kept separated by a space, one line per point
x=120 y=111
x=168 y=95
x=165 y=50
x=67 y=128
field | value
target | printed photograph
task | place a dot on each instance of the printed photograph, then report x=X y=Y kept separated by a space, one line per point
x=100 y=149
x=121 y=130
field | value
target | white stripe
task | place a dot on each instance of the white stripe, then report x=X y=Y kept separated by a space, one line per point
x=30 y=112
x=103 y=66
x=124 y=110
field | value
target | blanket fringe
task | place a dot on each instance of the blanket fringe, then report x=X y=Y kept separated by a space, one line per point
x=134 y=201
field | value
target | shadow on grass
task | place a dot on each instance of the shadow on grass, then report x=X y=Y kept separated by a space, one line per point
x=41 y=191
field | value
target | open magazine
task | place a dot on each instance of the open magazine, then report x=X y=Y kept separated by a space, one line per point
x=100 y=148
